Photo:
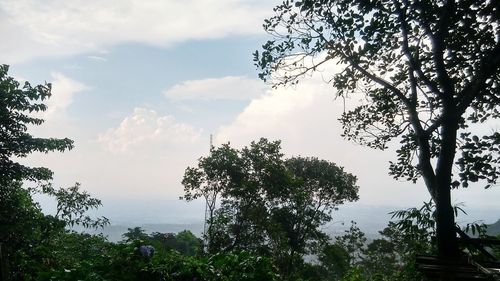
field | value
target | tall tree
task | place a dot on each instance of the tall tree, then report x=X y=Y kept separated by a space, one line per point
x=268 y=204
x=26 y=234
x=16 y=104
x=427 y=71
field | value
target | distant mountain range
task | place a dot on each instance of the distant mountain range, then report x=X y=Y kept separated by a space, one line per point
x=494 y=229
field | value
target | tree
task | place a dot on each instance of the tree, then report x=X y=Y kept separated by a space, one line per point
x=335 y=260
x=210 y=178
x=268 y=205
x=184 y=242
x=28 y=238
x=427 y=72
x=16 y=105
x=392 y=255
x=136 y=233
x=35 y=244
x=73 y=204
x=352 y=241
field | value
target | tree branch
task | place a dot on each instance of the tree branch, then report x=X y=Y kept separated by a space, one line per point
x=414 y=64
x=437 y=46
x=438 y=49
x=488 y=67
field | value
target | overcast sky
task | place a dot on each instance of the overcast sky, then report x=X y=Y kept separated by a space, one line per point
x=141 y=85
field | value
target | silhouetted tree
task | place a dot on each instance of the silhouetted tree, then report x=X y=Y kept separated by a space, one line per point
x=426 y=71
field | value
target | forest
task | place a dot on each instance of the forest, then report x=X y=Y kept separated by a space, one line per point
x=427 y=74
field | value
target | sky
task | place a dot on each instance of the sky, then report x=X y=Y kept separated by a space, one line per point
x=141 y=85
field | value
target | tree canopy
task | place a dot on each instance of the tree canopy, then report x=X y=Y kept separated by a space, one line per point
x=427 y=74
x=267 y=204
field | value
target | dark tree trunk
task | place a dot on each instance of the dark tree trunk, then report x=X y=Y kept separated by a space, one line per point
x=438 y=181
x=447 y=242
x=3 y=264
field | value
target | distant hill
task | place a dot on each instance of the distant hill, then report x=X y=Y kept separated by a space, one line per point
x=493 y=229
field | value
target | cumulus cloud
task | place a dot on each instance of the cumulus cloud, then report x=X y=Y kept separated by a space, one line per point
x=224 y=88
x=145 y=130
x=280 y=113
x=32 y=28
x=304 y=118
x=63 y=92
x=290 y=111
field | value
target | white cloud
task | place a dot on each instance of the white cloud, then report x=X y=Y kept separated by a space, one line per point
x=228 y=88
x=143 y=157
x=32 y=28
x=144 y=130
x=305 y=119
x=63 y=91
x=289 y=111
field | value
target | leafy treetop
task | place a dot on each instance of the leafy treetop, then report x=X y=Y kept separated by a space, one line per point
x=260 y=202
x=421 y=66
x=16 y=104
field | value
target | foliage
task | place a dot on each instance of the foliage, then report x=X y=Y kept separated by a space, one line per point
x=184 y=242
x=419 y=224
x=392 y=256
x=354 y=274
x=72 y=256
x=32 y=243
x=269 y=205
x=187 y=243
x=136 y=233
x=22 y=226
x=124 y=262
x=17 y=104
x=496 y=248
x=352 y=242
x=243 y=266
x=72 y=205
x=53 y=253
x=36 y=245
x=335 y=261
x=427 y=73
x=221 y=267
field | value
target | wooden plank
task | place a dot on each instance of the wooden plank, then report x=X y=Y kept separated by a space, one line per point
x=432 y=267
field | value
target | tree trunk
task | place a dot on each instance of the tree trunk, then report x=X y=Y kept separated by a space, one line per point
x=3 y=265
x=447 y=242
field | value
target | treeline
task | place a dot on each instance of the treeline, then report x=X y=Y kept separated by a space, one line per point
x=45 y=250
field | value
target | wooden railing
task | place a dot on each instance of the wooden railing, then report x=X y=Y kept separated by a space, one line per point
x=467 y=267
